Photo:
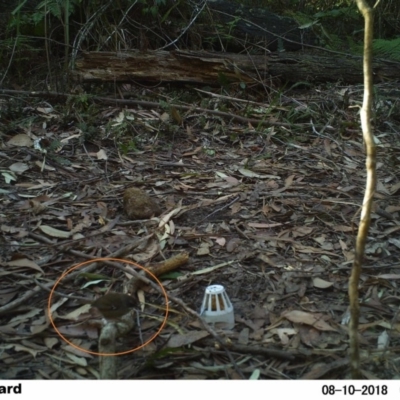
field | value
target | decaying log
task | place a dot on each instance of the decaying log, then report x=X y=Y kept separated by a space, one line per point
x=216 y=68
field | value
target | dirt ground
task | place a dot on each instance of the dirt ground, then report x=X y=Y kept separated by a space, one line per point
x=269 y=211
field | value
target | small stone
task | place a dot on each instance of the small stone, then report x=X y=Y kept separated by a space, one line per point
x=139 y=205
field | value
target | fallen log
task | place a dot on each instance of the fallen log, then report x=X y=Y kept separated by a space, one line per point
x=216 y=68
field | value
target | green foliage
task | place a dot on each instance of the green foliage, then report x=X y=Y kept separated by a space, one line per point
x=387 y=48
x=26 y=20
x=335 y=27
x=88 y=129
x=120 y=129
x=21 y=43
x=225 y=37
x=51 y=152
x=171 y=275
x=55 y=8
x=81 y=109
x=309 y=6
x=154 y=8
x=381 y=48
x=345 y=13
x=78 y=103
x=12 y=112
x=209 y=152
x=127 y=147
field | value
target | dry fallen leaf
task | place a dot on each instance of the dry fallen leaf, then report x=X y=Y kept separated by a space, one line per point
x=24 y=262
x=251 y=174
x=101 y=155
x=221 y=241
x=284 y=334
x=19 y=167
x=185 y=339
x=73 y=315
x=48 y=230
x=314 y=320
x=18 y=347
x=21 y=140
x=321 y=284
x=77 y=360
x=204 y=249
x=50 y=342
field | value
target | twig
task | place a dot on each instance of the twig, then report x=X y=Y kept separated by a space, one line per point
x=220 y=209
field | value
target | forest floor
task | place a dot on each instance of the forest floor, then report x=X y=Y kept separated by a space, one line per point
x=269 y=211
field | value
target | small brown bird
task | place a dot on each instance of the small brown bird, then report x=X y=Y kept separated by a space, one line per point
x=114 y=305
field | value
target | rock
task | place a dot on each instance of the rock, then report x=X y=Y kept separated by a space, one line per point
x=139 y=205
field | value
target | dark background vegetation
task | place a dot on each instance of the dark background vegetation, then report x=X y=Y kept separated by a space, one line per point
x=42 y=39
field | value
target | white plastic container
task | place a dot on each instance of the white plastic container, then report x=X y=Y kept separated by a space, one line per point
x=217 y=308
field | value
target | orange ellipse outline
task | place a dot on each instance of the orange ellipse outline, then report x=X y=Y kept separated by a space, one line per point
x=107 y=259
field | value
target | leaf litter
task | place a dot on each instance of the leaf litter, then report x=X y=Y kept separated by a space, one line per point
x=270 y=213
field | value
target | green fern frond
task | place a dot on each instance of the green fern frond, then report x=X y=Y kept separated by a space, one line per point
x=387 y=49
